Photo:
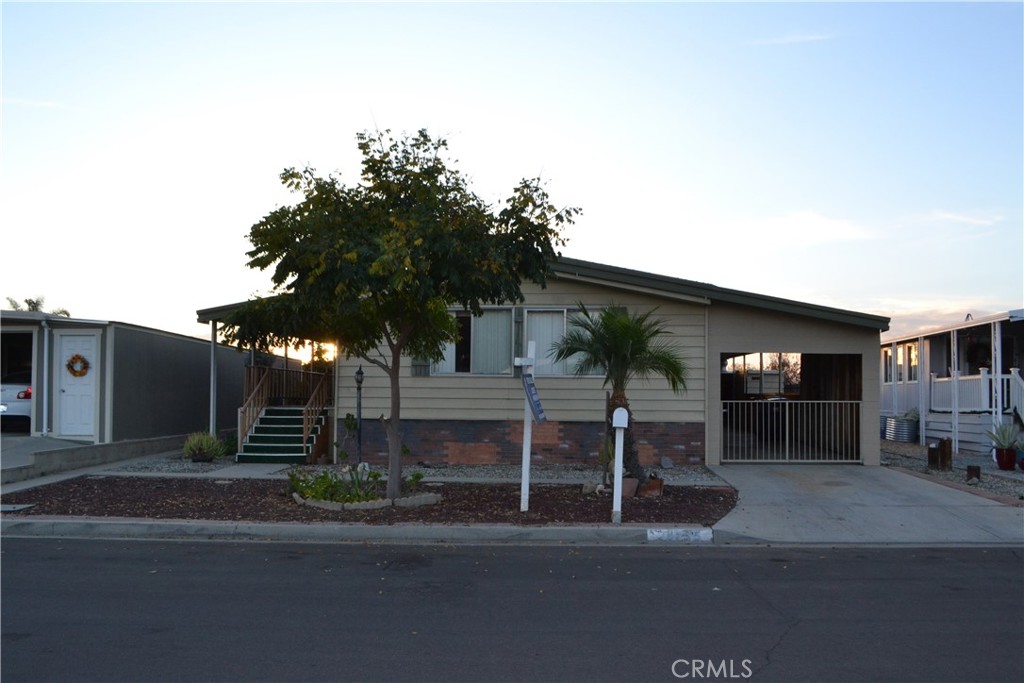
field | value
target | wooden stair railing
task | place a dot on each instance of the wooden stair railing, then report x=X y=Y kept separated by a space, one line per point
x=258 y=400
x=318 y=399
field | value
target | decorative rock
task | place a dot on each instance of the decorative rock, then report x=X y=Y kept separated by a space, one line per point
x=409 y=502
x=590 y=487
x=322 y=504
x=418 y=500
x=666 y=463
x=369 y=504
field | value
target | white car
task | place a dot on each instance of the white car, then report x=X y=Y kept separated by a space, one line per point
x=16 y=397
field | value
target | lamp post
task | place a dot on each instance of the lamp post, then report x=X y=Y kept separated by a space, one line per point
x=359 y=415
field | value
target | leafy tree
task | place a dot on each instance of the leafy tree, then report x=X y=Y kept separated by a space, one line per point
x=377 y=265
x=36 y=306
x=623 y=346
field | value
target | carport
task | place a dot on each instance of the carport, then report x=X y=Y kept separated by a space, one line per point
x=791 y=386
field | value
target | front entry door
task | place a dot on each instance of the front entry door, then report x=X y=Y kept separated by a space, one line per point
x=78 y=370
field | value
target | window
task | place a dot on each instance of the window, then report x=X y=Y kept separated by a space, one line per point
x=887 y=365
x=545 y=328
x=484 y=346
x=899 y=363
x=912 y=362
x=486 y=343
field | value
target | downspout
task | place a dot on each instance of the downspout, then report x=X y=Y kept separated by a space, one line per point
x=213 y=377
x=46 y=379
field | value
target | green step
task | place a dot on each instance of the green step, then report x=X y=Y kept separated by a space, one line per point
x=272 y=448
x=270 y=458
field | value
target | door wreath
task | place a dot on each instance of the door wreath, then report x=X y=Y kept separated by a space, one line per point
x=78 y=366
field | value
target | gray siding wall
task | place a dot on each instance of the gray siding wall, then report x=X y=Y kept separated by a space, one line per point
x=160 y=384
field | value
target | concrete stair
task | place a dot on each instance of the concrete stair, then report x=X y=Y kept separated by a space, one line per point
x=277 y=437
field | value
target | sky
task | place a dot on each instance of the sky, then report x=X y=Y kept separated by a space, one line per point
x=864 y=156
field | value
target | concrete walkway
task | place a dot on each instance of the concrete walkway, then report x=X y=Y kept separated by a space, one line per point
x=819 y=504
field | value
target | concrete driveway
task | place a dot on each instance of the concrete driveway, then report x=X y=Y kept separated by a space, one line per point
x=832 y=504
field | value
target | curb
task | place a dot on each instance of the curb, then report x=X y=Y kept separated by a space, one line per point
x=352 y=533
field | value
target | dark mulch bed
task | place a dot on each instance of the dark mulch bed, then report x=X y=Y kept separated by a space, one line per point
x=262 y=500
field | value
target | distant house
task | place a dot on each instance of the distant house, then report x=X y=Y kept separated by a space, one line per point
x=469 y=408
x=103 y=381
x=961 y=379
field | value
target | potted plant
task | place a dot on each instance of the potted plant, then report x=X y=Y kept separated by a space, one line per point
x=1004 y=441
x=203 y=447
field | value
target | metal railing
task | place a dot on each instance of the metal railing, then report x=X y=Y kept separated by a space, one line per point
x=791 y=431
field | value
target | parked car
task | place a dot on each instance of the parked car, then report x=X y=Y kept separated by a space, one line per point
x=16 y=398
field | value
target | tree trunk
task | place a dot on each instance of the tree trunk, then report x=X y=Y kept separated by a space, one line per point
x=393 y=429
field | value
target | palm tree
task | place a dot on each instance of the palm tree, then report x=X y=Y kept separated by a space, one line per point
x=624 y=346
x=36 y=306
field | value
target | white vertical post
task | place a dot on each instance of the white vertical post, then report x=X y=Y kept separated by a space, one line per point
x=955 y=375
x=997 y=375
x=620 y=420
x=524 y=487
x=213 y=377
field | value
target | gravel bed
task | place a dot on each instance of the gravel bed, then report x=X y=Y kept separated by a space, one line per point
x=696 y=475
x=915 y=458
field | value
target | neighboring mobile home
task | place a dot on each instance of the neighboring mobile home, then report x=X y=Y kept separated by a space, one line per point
x=102 y=381
x=960 y=379
x=469 y=408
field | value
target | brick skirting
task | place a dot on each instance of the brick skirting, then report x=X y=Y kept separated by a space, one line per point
x=501 y=442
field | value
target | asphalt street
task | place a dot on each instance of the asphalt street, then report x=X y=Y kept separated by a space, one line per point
x=131 y=610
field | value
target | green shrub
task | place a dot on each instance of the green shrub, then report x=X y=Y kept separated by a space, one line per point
x=203 y=445
x=352 y=485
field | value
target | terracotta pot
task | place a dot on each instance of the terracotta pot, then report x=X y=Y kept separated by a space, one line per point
x=1006 y=458
x=629 y=485
x=652 y=488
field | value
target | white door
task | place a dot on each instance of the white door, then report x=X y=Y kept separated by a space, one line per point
x=78 y=370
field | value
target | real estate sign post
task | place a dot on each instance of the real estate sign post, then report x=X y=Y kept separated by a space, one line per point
x=532 y=410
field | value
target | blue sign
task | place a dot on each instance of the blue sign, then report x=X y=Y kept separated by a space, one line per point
x=533 y=398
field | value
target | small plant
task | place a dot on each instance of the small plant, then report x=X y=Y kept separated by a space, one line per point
x=1004 y=436
x=913 y=415
x=413 y=481
x=203 y=447
x=351 y=485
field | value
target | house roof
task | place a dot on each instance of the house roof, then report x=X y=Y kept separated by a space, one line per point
x=1015 y=315
x=670 y=287
x=663 y=285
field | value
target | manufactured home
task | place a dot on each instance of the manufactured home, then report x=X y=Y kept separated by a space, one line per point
x=469 y=407
x=958 y=381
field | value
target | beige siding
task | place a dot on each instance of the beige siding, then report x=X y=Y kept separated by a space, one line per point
x=564 y=398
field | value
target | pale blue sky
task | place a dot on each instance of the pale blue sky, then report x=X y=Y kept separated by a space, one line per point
x=863 y=156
